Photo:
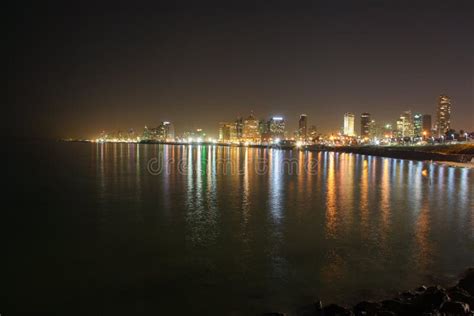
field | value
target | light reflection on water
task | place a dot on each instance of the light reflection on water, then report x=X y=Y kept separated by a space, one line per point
x=357 y=225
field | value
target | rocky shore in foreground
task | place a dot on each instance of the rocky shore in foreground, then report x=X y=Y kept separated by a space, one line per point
x=432 y=300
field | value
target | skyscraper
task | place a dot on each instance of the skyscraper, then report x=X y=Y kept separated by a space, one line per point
x=417 y=125
x=250 y=129
x=443 y=115
x=303 y=127
x=312 y=133
x=349 y=124
x=405 y=125
x=426 y=124
x=276 y=126
x=365 y=125
x=227 y=132
x=239 y=127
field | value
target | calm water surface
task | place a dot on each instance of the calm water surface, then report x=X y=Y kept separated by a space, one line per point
x=91 y=231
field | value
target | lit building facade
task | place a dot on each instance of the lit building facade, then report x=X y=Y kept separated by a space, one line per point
x=426 y=125
x=349 y=120
x=443 y=115
x=250 y=129
x=276 y=127
x=165 y=131
x=365 y=125
x=417 y=125
x=375 y=131
x=239 y=127
x=227 y=132
x=405 y=125
x=313 y=133
x=303 y=127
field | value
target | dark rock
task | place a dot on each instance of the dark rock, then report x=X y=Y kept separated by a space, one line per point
x=432 y=313
x=367 y=308
x=274 y=314
x=397 y=307
x=318 y=305
x=467 y=282
x=310 y=310
x=461 y=295
x=455 y=308
x=431 y=299
x=335 y=310
x=421 y=289
x=386 y=313
x=407 y=296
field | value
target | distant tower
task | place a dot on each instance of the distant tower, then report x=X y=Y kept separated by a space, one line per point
x=426 y=123
x=239 y=127
x=227 y=132
x=276 y=126
x=250 y=130
x=405 y=125
x=349 y=124
x=365 y=125
x=418 y=125
x=443 y=115
x=303 y=126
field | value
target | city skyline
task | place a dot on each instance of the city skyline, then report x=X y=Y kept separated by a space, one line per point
x=409 y=124
x=99 y=67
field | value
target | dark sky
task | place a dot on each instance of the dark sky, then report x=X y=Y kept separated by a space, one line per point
x=79 y=68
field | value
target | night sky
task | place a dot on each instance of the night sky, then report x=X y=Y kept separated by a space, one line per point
x=79 y=68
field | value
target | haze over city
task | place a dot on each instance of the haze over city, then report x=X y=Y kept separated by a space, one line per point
x=83 y=68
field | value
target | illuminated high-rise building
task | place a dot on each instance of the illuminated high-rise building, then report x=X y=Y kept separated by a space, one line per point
x=276 y=126
x=426 y=125
x=250 y=129
x=264 y=130
x=239 y=127
x=365 y=125
x=349 y=119
x=165 y=131
x=443 y=115
x=303 y=127
x=417 y=125
x=146 y=133
x=313 y=133
x=405 y=125
x=227 y=132
x=375 y=130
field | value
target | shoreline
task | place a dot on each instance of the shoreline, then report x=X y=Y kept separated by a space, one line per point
x=452 y=155
x=424 y=300
x=462 y=154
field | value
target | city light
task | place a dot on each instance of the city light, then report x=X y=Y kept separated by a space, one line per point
x=409 y=129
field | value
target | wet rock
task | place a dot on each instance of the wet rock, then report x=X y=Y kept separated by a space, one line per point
x=455 y=308
x=335 y=310
x=318 y=305
x=367 y=308
x=430 y=300
x=461 y=295
x=421 y=289
x=467 y=282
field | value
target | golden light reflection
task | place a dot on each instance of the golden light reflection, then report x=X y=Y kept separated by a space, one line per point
x=364 y=196
x=345 y=188
x=424 y=249
x=331 y=208
x=385 y=189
